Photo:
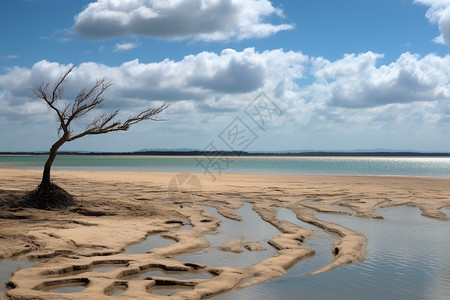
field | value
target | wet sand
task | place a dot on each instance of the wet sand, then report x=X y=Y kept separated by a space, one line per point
x=119 y=209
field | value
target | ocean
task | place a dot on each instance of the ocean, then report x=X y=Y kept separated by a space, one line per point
x=394 y=166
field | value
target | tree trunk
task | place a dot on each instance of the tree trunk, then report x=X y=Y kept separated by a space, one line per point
x=46 y=182
x=48 y=195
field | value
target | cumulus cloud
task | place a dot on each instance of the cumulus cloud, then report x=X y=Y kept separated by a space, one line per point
x=209 y=20
x=439 y=13
x=356 y=80
x=352 y=95
x=214 y=81
x=120 y=47
x=348 y=97
x=206 y=78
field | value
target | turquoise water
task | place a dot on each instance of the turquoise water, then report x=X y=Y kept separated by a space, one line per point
x=407 y=166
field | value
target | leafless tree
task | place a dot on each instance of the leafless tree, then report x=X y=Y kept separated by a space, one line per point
x=47 y=194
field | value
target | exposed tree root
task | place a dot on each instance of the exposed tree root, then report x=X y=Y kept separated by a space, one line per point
x=49 y=197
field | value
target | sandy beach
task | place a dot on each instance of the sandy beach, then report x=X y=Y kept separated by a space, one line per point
x=119 y=209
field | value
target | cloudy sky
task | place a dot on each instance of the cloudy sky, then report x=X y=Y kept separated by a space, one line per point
x=240 y=74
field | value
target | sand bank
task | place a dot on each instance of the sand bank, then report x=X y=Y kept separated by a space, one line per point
x=118 y=209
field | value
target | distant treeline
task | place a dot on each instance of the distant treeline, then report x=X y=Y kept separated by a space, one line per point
x=231 y=153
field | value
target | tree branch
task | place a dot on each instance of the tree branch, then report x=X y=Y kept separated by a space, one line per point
x=57 y=89
x=86 y=101
x=104 y=123
x=42 y=92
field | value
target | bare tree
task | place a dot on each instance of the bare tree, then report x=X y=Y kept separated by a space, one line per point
x=47 y=194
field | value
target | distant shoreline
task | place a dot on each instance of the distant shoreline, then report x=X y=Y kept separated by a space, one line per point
x=245 y=154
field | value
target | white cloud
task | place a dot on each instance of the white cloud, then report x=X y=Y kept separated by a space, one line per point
x=356 y=81
x=120 y=47
x=207 y=19
x=206 y=78
x=340 y=100
x=218 y=81
x=215 y=79
x=439 y=13
x=9 y=57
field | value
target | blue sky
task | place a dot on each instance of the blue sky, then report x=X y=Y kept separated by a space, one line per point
x=353 y=74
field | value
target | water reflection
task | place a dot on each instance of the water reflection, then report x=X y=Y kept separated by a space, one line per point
x=321 y=243
x=171 y=274
x=407 y=259
x=151 y=242
x=252 y=228
x=8 y=267
x=409 y=166
x=446 y=210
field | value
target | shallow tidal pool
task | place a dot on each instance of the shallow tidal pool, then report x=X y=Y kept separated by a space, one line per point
x=408 y=257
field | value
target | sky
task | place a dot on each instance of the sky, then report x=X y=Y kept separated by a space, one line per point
x=253 y=75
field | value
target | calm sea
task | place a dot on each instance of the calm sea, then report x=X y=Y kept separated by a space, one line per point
x=407 y=166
